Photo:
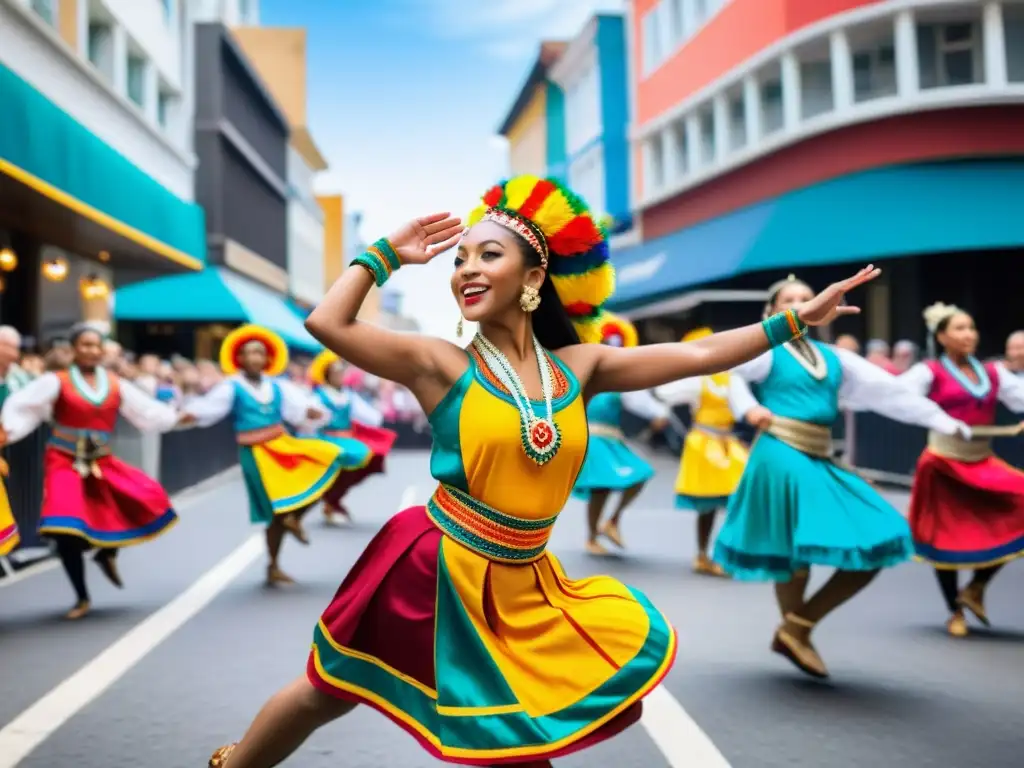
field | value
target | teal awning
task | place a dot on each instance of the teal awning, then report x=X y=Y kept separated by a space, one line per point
x=215 y=294
x=866 y=217
x=46 y=149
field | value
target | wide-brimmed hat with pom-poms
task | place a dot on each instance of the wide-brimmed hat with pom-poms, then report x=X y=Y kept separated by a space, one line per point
x=321 y=365
x=572 y=244
x=617 y=331
x=231 y=350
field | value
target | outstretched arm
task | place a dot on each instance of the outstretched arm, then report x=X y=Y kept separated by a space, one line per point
x=618 y=369
x=1011 y=389
x=427 y=366
x=29 y=407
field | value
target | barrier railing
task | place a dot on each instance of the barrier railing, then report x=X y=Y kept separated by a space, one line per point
x=190 y=456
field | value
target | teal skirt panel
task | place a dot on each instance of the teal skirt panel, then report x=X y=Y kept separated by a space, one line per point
x=610 y=465
x=700 y=504
x=792 y=511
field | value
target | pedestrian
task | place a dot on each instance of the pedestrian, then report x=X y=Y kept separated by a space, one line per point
x=457 y=622
x=795 y=507
x=91 y=499
x=966 y=506
x=611 y=465
x=345 y=409
x=713 y=458
x=283 y=475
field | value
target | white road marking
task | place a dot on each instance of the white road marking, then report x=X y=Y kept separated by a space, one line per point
x=408 y=498
x=28 y=572
x=37 y=723
x=674 y=732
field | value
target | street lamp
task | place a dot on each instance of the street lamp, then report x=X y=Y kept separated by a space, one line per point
x=55 y=270
x=8 y=260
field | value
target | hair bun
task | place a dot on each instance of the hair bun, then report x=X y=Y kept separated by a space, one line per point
x=936 y=313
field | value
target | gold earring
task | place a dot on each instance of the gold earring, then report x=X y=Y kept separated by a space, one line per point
x=458 y=328
x=529 y=299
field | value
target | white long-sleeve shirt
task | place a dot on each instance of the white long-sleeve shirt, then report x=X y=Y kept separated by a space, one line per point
x=919 y=380
x=27 y=408
x=217 y=404
x=689 y=391
x=360 y=409
x=643 y=404
x=864 y=386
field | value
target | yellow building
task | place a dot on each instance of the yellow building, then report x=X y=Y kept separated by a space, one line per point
x=535 y=124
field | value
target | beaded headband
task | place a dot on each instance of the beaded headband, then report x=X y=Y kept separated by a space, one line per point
x=572 y=244
x=522 y=227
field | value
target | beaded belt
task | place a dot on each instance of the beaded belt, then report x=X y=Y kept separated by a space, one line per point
x=261 y=435
x=606 y=430
x=488 y=532
x=812 y=439
x=956 y=448
x=86 y=445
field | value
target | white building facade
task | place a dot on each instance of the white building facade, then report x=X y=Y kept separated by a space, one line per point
x=305 y=233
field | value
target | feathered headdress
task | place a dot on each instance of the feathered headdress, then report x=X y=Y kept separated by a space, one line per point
x=321 y=365
x=617 y=331
x=234 y=343
x=572 y=244
x=938 y=312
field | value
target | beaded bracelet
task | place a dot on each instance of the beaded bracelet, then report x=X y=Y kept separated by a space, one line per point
x=380 y=259
x=783 y=326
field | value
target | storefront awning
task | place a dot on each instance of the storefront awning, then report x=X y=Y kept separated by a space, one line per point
x=866 y=217
x=51 y=165
x=213 y=295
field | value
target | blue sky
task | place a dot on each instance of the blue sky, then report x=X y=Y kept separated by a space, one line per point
x=405 y=97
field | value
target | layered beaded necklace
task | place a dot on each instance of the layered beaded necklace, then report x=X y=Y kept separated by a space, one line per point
x=540 y=437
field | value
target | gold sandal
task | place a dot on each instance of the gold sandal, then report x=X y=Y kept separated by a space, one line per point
x=276 y=576
x=973 y=599
x=219 y=759
x=801 y=654
x=705 y=566
x=957 y=625
x=80 y=610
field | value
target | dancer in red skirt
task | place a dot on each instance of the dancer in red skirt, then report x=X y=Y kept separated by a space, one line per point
x=91 y=499
x=966 y=506
x=457 y=622
x=352 y=424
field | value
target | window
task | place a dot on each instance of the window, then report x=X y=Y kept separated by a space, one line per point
x=47 y=10
x=652 y=40
x=771 y=106
x=677 y=20
x=815 y=88
x=137 y=79
x=163 y=106
x=957 y=43
x=700 y=10
x=168 y=9
x=737 y=122
x=244 y=9
x=101 y=49
x=707 y=137
x=874 y=73
x=680 y=149
x=655 y=164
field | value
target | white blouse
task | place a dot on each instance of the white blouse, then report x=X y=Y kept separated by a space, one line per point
x=216 y=404
x=689 y=391
x=919 y=380
x=864 y=386
x=27 y=408
x=643 y=404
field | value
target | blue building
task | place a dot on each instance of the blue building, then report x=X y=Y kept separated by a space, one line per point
x=593 y=78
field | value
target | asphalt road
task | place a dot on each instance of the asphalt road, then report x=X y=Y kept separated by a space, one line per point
x=902 y=693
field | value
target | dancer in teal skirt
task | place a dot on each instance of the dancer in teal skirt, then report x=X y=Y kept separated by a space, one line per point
x=794 y=506
x=611 y=465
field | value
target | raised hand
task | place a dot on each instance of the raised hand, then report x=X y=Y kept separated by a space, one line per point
x=424 y=238
x=827 y=305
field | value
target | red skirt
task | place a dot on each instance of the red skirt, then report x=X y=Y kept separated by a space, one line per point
x=124 y=506
x=380 y=440
x=967 y=515
x=386 y=609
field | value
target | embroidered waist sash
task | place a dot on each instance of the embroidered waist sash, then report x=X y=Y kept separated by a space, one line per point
x=262 y=435
x=337 y=432
x=606 y=430
x=812 y=439
x=956 y=448
x=491 y=534
x=87 y=446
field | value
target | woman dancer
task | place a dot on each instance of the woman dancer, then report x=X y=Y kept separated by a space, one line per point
x=966 y=506
x=344 y=407
x=283 y=475
x=91 y=499
x=794 y=506
x=713 y=458
x=456 y=622
x=611 y=465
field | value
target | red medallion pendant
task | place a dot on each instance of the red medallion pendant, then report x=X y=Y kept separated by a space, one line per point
x=541 y=440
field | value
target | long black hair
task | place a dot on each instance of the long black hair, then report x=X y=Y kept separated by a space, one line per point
x=551 y=323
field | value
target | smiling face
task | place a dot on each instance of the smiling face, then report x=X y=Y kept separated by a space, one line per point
x=491 y=268
x=88 y=347
x=959 y=337
x=254 y=358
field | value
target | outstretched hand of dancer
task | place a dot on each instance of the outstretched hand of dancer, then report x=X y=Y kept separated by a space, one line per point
x=828 y=305
x=759 y=417
x=424 y=238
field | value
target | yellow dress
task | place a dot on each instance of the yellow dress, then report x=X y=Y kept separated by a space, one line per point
x=461 y=626
x=8 y=528
x=713 y=458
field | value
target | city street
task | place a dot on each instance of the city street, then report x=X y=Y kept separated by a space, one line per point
x=902 y=693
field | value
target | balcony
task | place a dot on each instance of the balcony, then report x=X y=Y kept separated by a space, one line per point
x=869 y=64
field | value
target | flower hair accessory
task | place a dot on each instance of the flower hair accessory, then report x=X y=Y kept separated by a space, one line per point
x=571 y=243
x=617 y=331
x=938 y=312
